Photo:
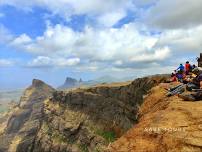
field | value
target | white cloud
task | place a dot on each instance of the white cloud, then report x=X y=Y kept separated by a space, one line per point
x=182 y=40
x=110 y=19
x=40 y=61
x=158 y=55
x=63 y=40
x=44 y=61
x=22 y=39
x=170 y=14
x=67 y=62
x=66 y=8
x=106 y=47
x=131 y=46
x=126 y=47
x=6 y=62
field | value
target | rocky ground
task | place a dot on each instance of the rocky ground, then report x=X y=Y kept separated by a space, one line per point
x=166 y=124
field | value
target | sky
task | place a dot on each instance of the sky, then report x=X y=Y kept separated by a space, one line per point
x=50 y=40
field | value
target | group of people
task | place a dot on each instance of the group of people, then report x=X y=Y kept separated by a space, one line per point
x=190 y=78
x=182 y=71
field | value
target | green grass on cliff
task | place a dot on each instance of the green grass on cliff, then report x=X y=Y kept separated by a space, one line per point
x=109 y=136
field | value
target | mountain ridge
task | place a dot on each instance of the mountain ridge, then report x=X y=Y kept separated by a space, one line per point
x=84 y=119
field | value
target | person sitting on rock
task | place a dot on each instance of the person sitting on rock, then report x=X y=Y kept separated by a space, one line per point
x=180 y=68
x=180 y=76
x=187 y=68
x=193 y=67
x=173 y=77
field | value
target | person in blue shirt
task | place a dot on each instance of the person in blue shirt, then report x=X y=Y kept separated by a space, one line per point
x=180 y=72
x=180 y=68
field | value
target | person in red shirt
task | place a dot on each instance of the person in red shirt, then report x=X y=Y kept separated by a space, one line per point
x=187 y=67
x=173 y=77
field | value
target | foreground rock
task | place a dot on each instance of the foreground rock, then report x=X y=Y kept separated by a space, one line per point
x=165 y=124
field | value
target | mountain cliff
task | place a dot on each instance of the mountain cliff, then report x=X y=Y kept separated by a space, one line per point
x=18 y=132
x=81 y=120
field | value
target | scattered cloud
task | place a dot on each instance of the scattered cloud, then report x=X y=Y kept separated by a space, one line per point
x=102 y=46
x=44 y=62
x=21 y=40
x=6 y=62
x=172 y=14
x=156 y=35
x=110 y=19
x=67 y=8
x=125 y=47
x=157 y=55
x=182 y=40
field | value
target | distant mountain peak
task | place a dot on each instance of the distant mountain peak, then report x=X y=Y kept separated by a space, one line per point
x=70 y=80
x=70 y=83
x=37 y=83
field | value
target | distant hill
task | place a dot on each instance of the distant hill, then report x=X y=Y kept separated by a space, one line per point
x=70 y=83
x=74 y=83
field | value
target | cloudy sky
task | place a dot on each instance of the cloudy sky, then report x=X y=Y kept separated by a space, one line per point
x=49 y=39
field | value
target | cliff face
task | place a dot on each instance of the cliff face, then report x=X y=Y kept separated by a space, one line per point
x=19 y=131
x=88 y=119
x=82 y=120
x=165 y=124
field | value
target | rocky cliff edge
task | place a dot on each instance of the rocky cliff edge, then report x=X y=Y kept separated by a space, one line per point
x=166 y=124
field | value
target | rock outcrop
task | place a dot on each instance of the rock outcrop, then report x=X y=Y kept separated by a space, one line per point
x=165 y=124
x=25 y=120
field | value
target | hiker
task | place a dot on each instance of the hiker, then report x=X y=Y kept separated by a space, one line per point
x=180 y=68
x=187 y=68
x=173 y=77
x=180 y=76
x=187 y=79
x=193 y=67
